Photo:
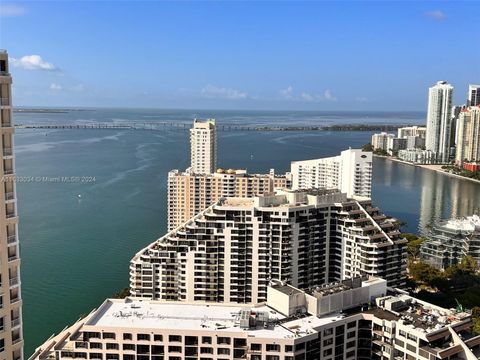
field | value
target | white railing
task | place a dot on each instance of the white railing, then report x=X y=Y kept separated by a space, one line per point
x=11 y=239
x=7 y=151
x=9 y=195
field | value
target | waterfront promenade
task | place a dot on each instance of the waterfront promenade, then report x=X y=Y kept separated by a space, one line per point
x=433 y=167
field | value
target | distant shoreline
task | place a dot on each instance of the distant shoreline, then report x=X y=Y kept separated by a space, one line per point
x=432 y=167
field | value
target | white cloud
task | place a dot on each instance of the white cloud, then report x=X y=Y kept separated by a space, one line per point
x=326 y=96
x=33 y=62
x=308 y=97
x=287 y=93
x=12 y=10
x=55 y=87
x=438 y=15
x=212 y=92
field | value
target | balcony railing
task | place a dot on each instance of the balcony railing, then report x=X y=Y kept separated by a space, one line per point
x=15 y=299
x=15 y=322
x=4 y=101
x=11 y=239
x=14 y=281
x=7 y=151
x=4 y=73
x=8 y=172
x=16 y=340
x=12 y=257
x=9 y=195
x=10 y=215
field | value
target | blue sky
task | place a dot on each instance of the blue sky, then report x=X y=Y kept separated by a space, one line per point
x=379 y=55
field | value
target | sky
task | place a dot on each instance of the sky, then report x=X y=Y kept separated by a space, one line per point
x=314 y=55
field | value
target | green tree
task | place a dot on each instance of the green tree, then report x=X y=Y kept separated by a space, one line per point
x=367 y=147
x=468 y=265
x=413 y=245
x=424 y=273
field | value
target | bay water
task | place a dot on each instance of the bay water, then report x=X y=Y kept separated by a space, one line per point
x=90 y=199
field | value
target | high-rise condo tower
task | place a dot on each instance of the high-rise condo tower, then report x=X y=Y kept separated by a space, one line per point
x=11 y=339
x=203 y=145
x=439 y=120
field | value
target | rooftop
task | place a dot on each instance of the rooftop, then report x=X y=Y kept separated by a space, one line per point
x=420 y=315
x=469 y=223
x=148 y=314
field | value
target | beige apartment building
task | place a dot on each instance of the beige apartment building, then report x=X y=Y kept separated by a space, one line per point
x=190 y=193
x=11 y=340
x=203 y=146
x=352 y=319
x=468 y=137
x=230 y=251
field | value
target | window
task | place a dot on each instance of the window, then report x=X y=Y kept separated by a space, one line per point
x=273 y=347
x=327 y=332
x=351 y=324
x=128 y=347
x=128 y=357
x=174 y=338
x=222 y=351
x=96 y=356
x=205 y=350
x=327 y=342
x=109 y=335
x=127 y=336
x=112 y=356
x=112 y=346
x=206 y=340
x=2 y=344
x=174 y=349
x=95 y=345
x=223 y=341
x=157 y=337
x=143 y=337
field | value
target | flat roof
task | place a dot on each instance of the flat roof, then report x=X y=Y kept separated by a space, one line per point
x=148 y=314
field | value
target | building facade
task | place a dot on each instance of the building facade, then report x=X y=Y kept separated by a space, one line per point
x=418 y=156
x=450 y=241
x=342 y=321
x=394 y=145
x=350 y=172
x=189 y=194
x=230 y=251
x=11 y=338
x=468 y=137
x=380 y=141
x=418 y=131
x=473 y=95
x=203 y=146
x=439 y=120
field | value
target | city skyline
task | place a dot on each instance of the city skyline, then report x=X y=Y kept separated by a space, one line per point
x=237 y=55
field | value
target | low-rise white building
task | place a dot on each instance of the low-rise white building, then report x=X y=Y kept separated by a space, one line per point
x=418 y=156
x=449 y=242
x=353 y=319
x=350 y=172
